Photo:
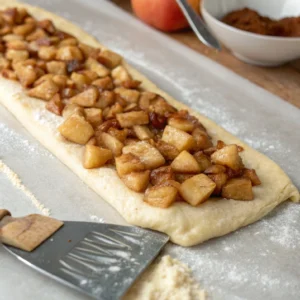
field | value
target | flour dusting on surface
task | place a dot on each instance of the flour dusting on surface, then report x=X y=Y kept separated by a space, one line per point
x=166 y=279
x=16 y=181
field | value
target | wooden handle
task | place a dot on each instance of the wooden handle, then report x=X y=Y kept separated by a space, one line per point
x=3 y=213
x=28 y=232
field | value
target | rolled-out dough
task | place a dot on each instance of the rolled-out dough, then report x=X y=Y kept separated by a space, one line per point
x=186 y=225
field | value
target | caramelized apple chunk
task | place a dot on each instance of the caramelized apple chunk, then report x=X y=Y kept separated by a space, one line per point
x=142 y=132
x=69 y=53
x=161 y=175
x=93 y=116
x=137 y=181
x=71 y=109
x=168 y=151
x=45 y=91
x=203 y=161
x=95 y=157
x=182 y=124
x=178 y=138
x=55 y=105
x=112 y=143
x=131 y=96
x=228 y=156
x=219 y=179
x=26 y=75
x=132 y=118
x=128 y=163
x=120 y=134
x=197 y=189
x=120 y=74
x=87 y=98
x=202 y=139
x=76 y=129
x=112 y=59
x=148 y=154
x=238 y=189
x=93 y=65
x=161 y=196
x=185 y=163
x=251 y=174
x=215 y=169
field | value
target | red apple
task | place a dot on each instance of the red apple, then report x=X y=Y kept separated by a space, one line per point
x=164 y=15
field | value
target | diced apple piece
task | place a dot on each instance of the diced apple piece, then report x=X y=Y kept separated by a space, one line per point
x=105 y=99
x=161 y=196
x=55 y=105
x=93 y=65
x=148 y=154
x=219 y=179
x=26 y=75
x=182 y=124
x=178 y=138
x=203 y=160
x=131 y=96
x=183 y=177
x=161 y=107
x=132 y=118
x=121 y=135
x=87 y=98
x=238 y=189
x=145 y=100
x=137 y=181
x=120 y=74
x=161 y=175
x=202 y=139
x=228 y=156
x=95 y=157
x=93 y=116
x=56 y=67
x=112 y=143
x=80 y=80
x=128 y=163
x=197 y=189
x=46 y=90
x=168 y=151
x=113 y=59
x=71 y=109
x=104 y=83
x=131 y=84
x=69 y=53
x=142 y=132
x=111 y=112
x=185 y=163
x=76 y=129
x=251 y=174
x=215 y=169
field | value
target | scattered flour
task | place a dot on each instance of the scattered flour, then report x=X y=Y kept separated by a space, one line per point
x=164 y=280
x=16 y=181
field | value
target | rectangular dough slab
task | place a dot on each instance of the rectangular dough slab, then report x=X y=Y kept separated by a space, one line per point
x=186 y=225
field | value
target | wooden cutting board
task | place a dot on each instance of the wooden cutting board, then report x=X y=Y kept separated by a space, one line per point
x=283 y=81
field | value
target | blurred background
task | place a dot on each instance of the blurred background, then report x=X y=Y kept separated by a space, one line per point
x=165 y=15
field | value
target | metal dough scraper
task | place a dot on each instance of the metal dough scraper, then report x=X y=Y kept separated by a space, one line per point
x=100 y=260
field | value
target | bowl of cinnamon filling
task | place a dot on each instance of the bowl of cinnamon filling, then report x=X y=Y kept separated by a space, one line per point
x=260 y=32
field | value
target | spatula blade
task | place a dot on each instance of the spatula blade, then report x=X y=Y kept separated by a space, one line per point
x=101 y=260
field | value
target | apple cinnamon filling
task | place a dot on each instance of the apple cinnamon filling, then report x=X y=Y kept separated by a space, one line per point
x=156 y=149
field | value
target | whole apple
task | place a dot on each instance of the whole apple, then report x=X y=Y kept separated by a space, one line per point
x=164 y=15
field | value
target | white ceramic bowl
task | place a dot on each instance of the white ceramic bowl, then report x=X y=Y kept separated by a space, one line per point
x=249 y=47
